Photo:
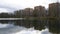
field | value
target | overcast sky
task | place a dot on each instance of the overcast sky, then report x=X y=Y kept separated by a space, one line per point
x=11 y=5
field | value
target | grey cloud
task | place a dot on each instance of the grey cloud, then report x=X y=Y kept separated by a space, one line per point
x=9 y=8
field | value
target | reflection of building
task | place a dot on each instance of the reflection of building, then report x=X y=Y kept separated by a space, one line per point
x=54 y=10
x=28 y=12
x=40 y=11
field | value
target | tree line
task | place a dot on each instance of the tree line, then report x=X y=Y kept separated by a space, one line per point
x=38 y=11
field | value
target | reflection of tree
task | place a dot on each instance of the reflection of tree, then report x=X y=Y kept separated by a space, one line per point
x=28 y=23
x=24 y=23
x=3 y=21
x=39 y=24
x=54 y=26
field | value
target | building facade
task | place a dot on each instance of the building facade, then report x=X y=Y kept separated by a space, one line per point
x=39 y=11
x=28 y=12
x=54 y=10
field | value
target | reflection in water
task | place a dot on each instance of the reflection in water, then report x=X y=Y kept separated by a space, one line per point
x=34 y=32
x=54 y=26
x=31 y=26
x=39 y=25
x=20 y=30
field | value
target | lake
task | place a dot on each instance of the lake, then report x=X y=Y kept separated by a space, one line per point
x=29 y=27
